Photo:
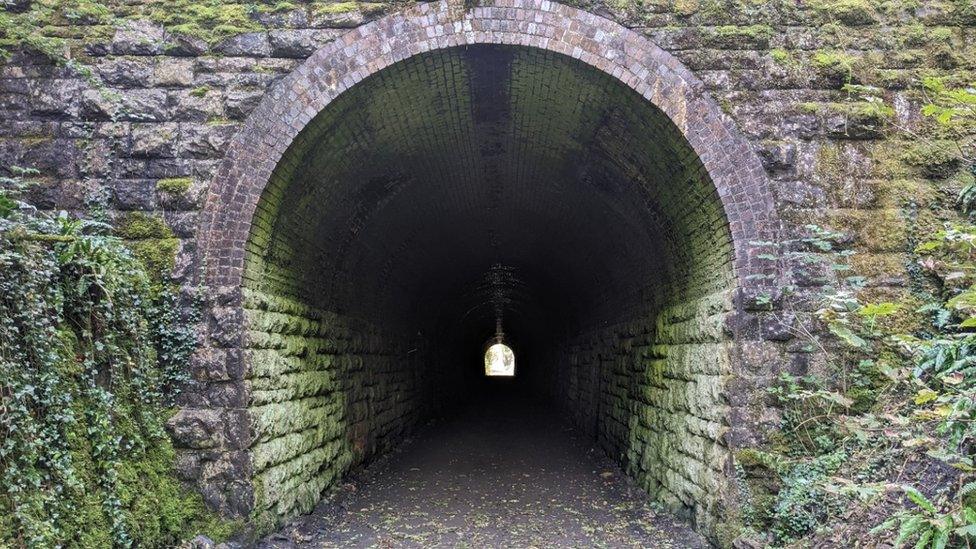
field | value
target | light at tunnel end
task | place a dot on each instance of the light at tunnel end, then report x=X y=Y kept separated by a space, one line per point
x=499 y=361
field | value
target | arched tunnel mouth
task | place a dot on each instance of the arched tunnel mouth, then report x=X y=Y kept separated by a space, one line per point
x=469 y=190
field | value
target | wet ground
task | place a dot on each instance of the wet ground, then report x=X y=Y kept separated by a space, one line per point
x=500 y=473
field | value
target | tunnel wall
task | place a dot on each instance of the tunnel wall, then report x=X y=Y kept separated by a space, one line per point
x=327 y=392
x=650 y=392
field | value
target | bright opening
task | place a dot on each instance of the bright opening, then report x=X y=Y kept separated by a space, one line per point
x=499 y=360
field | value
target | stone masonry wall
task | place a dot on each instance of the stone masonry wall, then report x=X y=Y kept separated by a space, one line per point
x=326 y=392
x=651 y=392
x=145 y=134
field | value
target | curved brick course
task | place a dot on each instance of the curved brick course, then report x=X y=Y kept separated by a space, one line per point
x=734 y=168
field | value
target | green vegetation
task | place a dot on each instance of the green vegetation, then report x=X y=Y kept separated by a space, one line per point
x=782 y=57
x=337 y=8
x=43 y=26
x=210 y=20
x=935 y=160
x=834 y=64
x=896 y=385
x=150 y=240
x=93 y=344
x=733 y=36
x=92 y=353
x=849 y=12
x=175 y=185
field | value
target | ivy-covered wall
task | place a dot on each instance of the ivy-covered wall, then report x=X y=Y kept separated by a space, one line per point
x=93 y=349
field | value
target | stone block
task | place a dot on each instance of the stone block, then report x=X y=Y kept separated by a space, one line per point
x=154 y=140
x=139 y=37
x=173 y=73
x=253 y=44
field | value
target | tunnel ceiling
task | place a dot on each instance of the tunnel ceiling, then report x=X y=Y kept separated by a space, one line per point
x=394 y=203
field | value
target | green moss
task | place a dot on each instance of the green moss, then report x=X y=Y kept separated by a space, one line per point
x=104 y=469
x=160 y=510
x=940 y=35
x=280 y=7
x=834 y=64
x=782 y=57
x=727 y=532
x=874 y=230
x=151 y=241
x=963 y=12
x=86 y=11
x=913 y=35
x=621 y=5
x=862 y=119
x=736 y=36
x=201 y=91
x=848 y=12
x=863 y=110
x=174 y=185
x=140 y=225
x=338 y=8
x=809 y=107
x=210 y=20
x=158 y=255
x=935 y=159
x=685 y=7
x=752 y=458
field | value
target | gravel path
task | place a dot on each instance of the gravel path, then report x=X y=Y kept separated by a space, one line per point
x=500 y=473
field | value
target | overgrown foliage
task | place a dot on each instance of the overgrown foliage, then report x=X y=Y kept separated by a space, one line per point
x=899 y=385
x=92 y=351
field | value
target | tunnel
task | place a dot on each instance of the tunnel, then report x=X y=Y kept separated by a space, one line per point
x=475 y=193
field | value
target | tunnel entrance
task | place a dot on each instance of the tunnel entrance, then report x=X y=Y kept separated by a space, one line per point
x=417 y=184
x=373 y=266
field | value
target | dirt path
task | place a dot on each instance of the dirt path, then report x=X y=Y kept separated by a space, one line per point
x=497 y=474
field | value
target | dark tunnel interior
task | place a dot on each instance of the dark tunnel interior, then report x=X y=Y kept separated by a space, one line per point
x=465 y=187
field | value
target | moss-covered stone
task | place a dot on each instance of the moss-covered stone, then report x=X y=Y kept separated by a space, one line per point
x=175 y=185
x=934 y=159
x=161 y=509
x=151 y=241
x=849 y=12
x=157 y=254
x=686 y=7
x=141 y=225
x=834 y=64
x=210 y=20
x=873 y=230
x=858 y=119
x=753 y=458
x=782 y=57
x=338 y=8
x=732 y=36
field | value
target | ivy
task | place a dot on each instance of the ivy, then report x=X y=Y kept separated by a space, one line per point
x=92 y=352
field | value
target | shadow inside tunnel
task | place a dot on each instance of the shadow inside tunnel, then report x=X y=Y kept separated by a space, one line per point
x=502 y=468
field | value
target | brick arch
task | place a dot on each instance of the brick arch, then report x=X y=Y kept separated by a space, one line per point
x=732 y=165
x=218 y=410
